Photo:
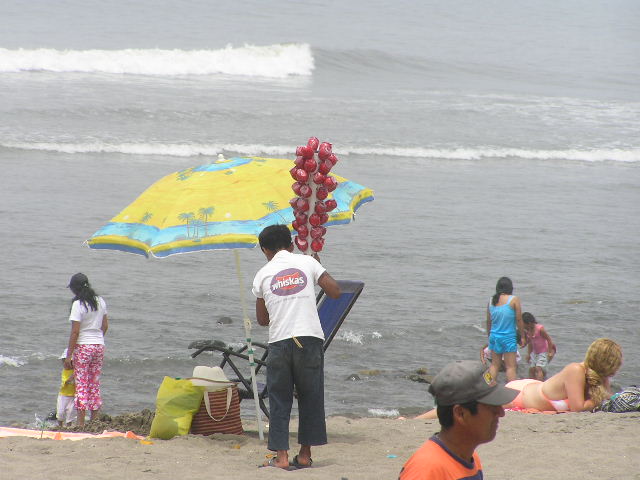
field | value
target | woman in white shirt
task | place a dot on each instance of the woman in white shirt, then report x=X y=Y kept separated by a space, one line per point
x=85 y=352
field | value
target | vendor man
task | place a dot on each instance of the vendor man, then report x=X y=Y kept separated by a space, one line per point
x=285 y=302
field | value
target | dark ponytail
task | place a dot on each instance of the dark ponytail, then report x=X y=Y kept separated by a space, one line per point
x=82 y=290
x=504 y=285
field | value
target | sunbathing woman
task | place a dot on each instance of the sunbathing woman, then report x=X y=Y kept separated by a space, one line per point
x=578 y=387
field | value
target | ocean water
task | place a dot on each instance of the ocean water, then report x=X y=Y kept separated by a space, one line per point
x=500 y=138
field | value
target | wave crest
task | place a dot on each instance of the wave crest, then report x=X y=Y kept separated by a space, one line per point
x=272 y=61
x=628 y=155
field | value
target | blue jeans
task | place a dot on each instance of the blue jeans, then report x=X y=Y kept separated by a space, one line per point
x=288 y=365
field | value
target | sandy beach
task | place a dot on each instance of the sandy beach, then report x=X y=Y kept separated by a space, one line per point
x=528 y=446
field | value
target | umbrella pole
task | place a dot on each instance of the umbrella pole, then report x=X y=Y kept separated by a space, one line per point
x=247 y=330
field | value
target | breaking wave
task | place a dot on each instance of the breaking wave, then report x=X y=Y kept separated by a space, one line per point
x=213 y=149
x=271 y=61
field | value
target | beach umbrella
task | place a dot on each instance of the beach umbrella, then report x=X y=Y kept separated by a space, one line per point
x=221 y=205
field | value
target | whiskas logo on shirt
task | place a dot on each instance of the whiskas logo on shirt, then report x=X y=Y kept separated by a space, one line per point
x=288 y=282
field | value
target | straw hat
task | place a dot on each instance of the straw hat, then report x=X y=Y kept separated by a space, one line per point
x=212 y=378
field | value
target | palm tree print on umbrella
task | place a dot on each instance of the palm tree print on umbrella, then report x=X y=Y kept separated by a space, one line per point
x=187 y=217
x=146 y=217
x=271 y=206
x=184 y=174
x=204 y=214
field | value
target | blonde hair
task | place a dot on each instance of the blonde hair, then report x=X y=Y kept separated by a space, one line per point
x=603 y=359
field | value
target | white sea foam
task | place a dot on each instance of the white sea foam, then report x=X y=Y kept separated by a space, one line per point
x=479 y=328
x=212 y=149
x=169 y=149
x=272 y=61
x=382 y=412
x=479 y=153
x=351 y=337
x=11 y=361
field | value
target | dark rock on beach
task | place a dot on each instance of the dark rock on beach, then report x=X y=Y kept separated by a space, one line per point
x=421 y=375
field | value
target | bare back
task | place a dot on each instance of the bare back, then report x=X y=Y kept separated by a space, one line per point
x=568 y=384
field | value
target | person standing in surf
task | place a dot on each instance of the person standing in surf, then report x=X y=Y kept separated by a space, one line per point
x=504 y=324
x=85 y=353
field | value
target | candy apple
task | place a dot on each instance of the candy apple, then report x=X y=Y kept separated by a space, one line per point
x=301 y=218
x=331 y=204
x=306 y=152
x=316 y=245
x=319 y=178
x=315 y=220
x=302 y=204
x=317 y=232
x=324 y=150
x=310 y=165
x=325 y=167
x=305 y=191
x=303 y=231
x=331 y=183
x=320 y=208
x=313 y=143
x=322 y=193
x=302 y=175
x=302 y=244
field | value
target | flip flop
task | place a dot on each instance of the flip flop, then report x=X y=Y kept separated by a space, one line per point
x=272 y=463
x=298 y=465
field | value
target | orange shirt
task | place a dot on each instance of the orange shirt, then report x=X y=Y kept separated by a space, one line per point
x=433 y=461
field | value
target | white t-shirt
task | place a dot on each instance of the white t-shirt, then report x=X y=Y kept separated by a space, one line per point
x=90 y=322
x=286 y=284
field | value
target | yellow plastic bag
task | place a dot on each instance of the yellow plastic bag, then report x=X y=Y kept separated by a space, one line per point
x=176 y=403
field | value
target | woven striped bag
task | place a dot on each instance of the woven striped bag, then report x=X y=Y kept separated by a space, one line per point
x=628 y=400
x=218 y=413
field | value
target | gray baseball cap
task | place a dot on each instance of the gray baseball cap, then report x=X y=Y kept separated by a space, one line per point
x=467 y=380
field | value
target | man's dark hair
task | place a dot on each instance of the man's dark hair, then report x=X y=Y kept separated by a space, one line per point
x=275 y=238
x=445 y=413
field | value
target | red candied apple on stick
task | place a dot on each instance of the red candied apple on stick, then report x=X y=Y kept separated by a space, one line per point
x=312 y=187
x=313 y=143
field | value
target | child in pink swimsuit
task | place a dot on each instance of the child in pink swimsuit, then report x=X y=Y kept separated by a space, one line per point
x=540 y=347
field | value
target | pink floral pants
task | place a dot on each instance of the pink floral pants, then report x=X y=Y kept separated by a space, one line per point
x=87 y=366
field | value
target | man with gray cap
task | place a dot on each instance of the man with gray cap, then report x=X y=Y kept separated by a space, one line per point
x=469 y=405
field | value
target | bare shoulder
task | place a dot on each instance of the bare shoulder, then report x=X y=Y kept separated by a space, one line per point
x=573 y=370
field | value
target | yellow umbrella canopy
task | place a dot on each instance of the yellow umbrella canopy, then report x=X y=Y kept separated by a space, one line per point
x=221 y=205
